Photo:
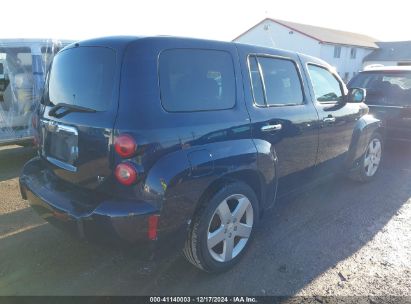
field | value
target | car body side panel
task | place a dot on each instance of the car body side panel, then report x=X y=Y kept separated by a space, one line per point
x=293 y=148
x=182 y=153
x=335 y=138
x=267 y=162
x=180 y=191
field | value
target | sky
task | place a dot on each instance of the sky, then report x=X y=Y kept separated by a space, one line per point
x=210 y=19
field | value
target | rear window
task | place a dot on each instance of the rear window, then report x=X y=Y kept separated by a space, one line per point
x=196 y=80
x=281 y=81
x=385 y=88
x=83 y=76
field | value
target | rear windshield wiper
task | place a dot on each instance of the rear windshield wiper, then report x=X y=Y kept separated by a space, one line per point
x=69 y=108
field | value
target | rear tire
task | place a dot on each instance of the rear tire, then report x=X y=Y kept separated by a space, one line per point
x=370 y=162
x=222 y=228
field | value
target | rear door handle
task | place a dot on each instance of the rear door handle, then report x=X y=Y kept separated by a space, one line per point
x=269 y=128
x=329 y=119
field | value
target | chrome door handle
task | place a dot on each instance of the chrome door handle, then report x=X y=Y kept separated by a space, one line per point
x=268 y=128
x=329 y=119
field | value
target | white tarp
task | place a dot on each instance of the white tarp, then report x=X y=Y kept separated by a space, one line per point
x=23 y=67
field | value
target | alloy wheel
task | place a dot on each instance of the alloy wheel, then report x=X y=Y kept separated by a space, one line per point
x=230 y=228
x=372 y=157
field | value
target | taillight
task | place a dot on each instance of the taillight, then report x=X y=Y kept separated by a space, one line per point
x=34 y=121
x=125 y=145
x=152 y=227
x=34 y=124
x=126 y=174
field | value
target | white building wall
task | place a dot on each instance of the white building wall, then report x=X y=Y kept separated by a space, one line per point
x=271 y=34
x=345 y=64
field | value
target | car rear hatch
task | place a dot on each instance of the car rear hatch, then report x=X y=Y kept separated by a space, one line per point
x=78 y=114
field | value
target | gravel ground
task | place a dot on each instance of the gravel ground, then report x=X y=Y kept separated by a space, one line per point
x=340 y=239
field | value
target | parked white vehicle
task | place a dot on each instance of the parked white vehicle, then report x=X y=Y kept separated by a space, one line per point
x=23 y=66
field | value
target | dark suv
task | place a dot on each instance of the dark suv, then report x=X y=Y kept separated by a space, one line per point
x=188 y=141
x=389 y=98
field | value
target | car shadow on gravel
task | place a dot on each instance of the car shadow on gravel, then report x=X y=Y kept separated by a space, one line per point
x=18 y=220
x=12 y=159
x=297 y=241
x=305 y=235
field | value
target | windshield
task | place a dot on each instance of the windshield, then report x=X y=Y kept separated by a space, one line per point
x=385 y=88
x=83 y=76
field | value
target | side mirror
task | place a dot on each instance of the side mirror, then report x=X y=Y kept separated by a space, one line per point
x=356 y=95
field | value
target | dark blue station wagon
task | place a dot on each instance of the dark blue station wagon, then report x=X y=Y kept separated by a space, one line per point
x=159 y=139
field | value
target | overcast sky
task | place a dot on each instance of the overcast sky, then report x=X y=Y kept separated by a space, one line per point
x=222 y=20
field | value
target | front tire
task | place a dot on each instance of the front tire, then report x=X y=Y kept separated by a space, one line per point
x=222 y=228
x=370 y=162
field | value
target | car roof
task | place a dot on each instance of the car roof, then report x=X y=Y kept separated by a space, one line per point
x=121 y=42
x=386 y=68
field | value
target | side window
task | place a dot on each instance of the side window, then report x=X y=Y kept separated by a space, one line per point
x=257 y=84
x=196 y=80
x=282 y=84
x=326 y=87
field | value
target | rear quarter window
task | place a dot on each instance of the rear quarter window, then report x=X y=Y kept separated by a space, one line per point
x=196 y=80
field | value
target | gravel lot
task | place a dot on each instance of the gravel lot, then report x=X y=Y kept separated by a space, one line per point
x=340 y=238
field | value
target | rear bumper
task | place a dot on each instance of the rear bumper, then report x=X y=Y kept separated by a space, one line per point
x=109 y=219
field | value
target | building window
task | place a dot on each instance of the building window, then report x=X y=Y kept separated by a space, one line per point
x=346 y=76
x=353 y=53
x=337 y=52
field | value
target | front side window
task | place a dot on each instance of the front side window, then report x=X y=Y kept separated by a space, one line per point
x=326 y=87
x=282 y=85
x=196 y=80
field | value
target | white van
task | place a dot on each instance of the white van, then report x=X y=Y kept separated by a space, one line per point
x=23 y=66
